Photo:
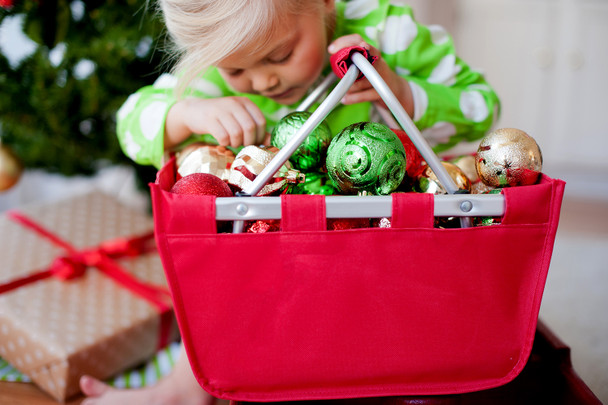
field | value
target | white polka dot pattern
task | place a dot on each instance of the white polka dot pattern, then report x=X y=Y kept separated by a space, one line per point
x=131 y=147
x=438 y=34
x=445 y=72
x=128 y=106
x=55 y=331
x=400 y=32
x=356 y=9
x=439 y=133
x=152 y=118
x=474 y=106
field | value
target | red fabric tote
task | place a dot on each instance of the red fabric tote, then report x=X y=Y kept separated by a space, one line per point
x=307 y=313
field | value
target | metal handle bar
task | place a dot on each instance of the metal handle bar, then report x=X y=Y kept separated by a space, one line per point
x=448 y=205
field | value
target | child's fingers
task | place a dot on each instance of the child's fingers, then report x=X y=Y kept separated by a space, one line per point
x=248 y=127
x=360 y=85
x=345 y=42
x=259 y=120
x=233 y=129
x=369 y=94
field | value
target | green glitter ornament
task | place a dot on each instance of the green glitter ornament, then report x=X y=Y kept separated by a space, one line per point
x=367 y=156
x=315 y=183
x=311 y=154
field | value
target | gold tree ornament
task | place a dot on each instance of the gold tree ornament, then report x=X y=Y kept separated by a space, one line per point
x=11 y=168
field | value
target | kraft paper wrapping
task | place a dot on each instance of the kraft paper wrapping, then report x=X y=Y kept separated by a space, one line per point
x=55 y=331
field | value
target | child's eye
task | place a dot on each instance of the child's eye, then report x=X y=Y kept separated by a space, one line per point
x=234 y=73
x=281 y=59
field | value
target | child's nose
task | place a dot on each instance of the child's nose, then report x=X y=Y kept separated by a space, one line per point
x=263 y=82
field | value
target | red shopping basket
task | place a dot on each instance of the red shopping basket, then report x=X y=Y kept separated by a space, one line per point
x=307 y=313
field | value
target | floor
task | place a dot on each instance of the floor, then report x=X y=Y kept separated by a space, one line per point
x=574 y=304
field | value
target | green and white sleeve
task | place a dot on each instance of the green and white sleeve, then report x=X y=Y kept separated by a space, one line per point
x=141 y=119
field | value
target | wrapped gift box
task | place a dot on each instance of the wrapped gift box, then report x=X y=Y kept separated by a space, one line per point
x=99 y=322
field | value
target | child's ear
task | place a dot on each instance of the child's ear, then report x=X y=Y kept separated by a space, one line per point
x=329 y=6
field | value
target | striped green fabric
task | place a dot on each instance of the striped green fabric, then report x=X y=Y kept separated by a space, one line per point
x=146 y=374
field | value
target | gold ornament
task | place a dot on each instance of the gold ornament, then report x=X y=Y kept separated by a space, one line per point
x=480 y=188
x=11 y=168
x=509 y=157
x=429 y=183
x=467 y=165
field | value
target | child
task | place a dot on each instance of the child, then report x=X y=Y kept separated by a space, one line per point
x=244 y=64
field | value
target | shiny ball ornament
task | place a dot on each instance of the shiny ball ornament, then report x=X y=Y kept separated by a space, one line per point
x=203 y=184
x=311 y=154
x=429 y=183
x=488 y=221
x=264 y=226
x=201 y=158
x=317 y=183
x=381 y=222
x=11 y=168
x=480 y=188
x=508 y=157
x=467 y=164
x=251 y=161
x=341 y=224
x=368 y=157
x=415 y=162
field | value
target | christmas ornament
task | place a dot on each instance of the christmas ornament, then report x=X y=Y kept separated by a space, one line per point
x=429 y=183
x=11 y=168
x=269 y=225
x=202 y=183
x=250 y=162
x=415 y=163
x=340 y=224
x=381 y=222
x=509 y=157
x=480 y=188
x=367 y=156
x=311 y=153
x=315 y=183
x=466 y=163
x=201 y=158
x=487 y=221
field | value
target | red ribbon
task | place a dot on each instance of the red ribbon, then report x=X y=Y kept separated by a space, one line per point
x=75 y=262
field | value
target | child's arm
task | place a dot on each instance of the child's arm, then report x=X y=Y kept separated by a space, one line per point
x=153 y=120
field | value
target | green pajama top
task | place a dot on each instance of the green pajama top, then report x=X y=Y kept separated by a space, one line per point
x=453 y=103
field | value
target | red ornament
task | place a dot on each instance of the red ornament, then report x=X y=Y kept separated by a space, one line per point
x=340 y=224
x=6 y=3
x=414 y=163
x=202 y=183
x=270 y=225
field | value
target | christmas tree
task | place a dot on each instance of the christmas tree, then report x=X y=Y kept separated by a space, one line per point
x=58 y=103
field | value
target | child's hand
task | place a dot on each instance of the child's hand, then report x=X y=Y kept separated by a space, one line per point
x=362 y=90
x=233 y=121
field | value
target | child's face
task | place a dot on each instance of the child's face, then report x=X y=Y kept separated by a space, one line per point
x=288 y=66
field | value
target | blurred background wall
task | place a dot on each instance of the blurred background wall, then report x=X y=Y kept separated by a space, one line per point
x=548 y=60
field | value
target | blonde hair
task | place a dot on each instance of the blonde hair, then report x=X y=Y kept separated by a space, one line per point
x=203 y=32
